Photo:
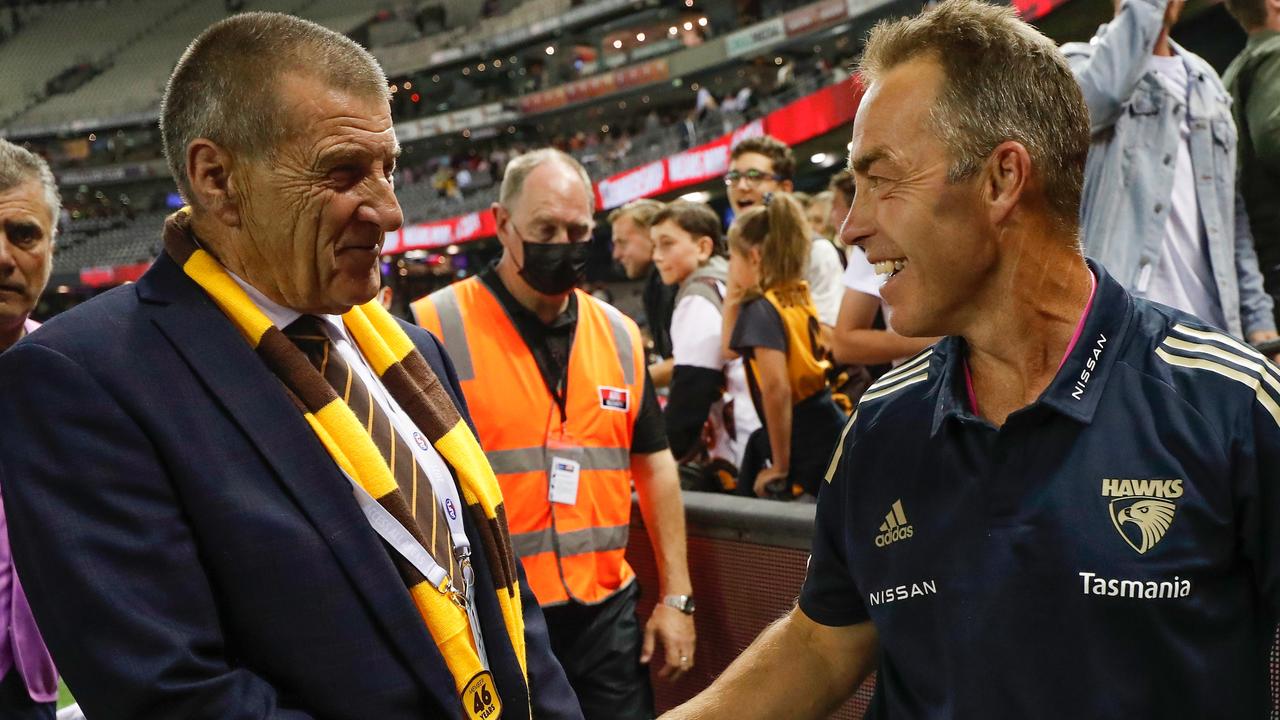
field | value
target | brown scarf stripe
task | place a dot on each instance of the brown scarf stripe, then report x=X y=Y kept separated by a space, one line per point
x=504 y=575
x=292 y=366
x=502 y=540
x=410 y=574
x=177 y=243
x=423 y=401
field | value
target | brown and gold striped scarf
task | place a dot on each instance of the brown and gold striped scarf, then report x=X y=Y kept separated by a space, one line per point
x=411 y=381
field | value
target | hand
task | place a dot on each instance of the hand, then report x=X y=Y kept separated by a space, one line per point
x=674 y=630
x=766 y=476
x=1261 y=336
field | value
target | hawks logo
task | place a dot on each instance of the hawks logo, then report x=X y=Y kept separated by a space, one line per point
x=1142 y=510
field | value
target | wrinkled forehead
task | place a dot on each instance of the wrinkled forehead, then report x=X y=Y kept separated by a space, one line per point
x=894 y=114
x=323 y=116
x=26 y=203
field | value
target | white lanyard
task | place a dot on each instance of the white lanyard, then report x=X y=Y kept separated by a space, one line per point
x=437 y=473
x=403 y=542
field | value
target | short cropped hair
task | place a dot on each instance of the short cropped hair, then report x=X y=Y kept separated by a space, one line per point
x=1251 y=14
x=696 y=219
x=1003 y=81
x=640 y=212
x=19 y=165
x=521 y=165
x=226 y=85
x=784 y=160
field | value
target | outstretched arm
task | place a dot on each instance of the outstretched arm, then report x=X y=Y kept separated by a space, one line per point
x=797 y=668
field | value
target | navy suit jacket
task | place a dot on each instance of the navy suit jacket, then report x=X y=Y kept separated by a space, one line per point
x=189 y=548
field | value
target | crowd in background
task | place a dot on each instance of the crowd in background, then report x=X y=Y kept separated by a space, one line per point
x=762 y=360
x=750 y=325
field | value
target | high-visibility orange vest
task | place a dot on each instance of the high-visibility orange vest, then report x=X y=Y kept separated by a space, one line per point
x=569 y=551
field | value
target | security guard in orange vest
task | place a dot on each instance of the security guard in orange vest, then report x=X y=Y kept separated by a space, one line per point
x=557 y=385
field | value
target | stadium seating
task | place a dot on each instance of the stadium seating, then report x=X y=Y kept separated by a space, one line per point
x=87 y=33
x=133 y=242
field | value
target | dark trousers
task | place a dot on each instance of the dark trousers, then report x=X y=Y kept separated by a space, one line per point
x=15 y=704
x=599 y=647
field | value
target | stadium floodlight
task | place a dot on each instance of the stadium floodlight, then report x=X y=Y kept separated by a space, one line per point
x=699 y=196
x=672 y=30
x=818 y=158
x=551 y=50
x=688 y=26
x=640 y=37
x=617 y=44
x=702 y=22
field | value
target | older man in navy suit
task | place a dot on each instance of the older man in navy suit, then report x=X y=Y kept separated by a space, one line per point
x=237 y=489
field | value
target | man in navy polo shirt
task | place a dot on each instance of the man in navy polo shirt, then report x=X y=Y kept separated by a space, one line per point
x=1062 y=510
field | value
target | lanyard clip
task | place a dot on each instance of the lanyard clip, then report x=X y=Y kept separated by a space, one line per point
x=449 y=590
x=463 y=556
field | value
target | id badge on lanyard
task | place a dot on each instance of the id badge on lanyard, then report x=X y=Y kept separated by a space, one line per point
x=564 y=471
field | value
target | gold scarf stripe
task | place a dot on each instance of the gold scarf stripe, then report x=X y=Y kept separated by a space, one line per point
x=410 y=380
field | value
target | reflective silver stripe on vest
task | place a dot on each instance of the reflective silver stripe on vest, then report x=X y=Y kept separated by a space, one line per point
x=454 y=332
x=577 y=542
x=622 y=341
x=538 y=459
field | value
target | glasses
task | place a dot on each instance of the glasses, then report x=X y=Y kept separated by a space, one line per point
x=753 y=177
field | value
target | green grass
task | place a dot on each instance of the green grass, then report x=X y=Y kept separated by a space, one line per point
x=64 y=695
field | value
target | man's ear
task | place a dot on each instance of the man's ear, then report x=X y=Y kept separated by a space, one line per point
x=209 y=168
x=1008 y=174
x=511 y=246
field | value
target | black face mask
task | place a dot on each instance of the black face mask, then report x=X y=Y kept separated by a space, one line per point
x=554 y=268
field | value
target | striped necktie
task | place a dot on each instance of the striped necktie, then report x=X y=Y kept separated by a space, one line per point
x=416 y=505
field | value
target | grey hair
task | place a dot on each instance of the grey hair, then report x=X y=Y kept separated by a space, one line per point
x=1004 y=81
x=521 y=165
x=19 y=165
x=225 y=88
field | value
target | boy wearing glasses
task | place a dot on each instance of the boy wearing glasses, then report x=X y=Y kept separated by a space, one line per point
x=762 y=165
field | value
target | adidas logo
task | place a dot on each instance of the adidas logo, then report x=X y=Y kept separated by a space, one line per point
x=894 y=527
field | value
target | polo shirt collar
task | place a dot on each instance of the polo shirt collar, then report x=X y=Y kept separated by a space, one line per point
x=1078 y=386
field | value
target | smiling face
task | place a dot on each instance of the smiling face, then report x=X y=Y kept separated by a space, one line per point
x=677 y=252
x=312 y=218
x=927 y=235
x=745 y=194
x=632 y=247
x=26 y=250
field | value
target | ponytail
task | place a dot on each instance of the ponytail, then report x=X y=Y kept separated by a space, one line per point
x=780 y=231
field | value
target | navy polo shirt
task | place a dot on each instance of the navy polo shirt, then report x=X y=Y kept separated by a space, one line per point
x=1110 y=552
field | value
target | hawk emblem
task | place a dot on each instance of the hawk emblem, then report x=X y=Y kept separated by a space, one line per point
x=1142 y=521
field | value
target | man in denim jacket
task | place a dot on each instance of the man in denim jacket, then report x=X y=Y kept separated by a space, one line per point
x=1160 y=208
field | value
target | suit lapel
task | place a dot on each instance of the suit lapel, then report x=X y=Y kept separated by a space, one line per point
x=240 y=382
